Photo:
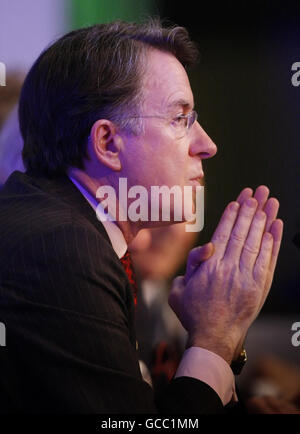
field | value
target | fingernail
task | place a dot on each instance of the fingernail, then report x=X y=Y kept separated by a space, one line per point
x=268 y=236
x=234 y=206
x=251 y=202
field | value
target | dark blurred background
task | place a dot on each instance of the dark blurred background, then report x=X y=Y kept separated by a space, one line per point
x=248 y=105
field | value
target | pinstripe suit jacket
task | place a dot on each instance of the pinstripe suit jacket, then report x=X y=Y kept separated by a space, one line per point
x=68 y=310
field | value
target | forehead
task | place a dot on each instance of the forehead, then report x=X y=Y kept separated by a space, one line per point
x=166 y=84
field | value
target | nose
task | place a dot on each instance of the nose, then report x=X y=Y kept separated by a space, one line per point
x=200 y=143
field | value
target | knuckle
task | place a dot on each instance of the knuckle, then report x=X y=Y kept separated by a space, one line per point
x=237 y=238
x=212 y=265
x=223 y=271
x=253 y=250
x=220 y=239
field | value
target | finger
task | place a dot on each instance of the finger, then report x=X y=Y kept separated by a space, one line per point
x=222 y=233
x=276 y=230
x=253 y=242
x=244 y=195
x=270 y=206
x=196 y=257
x=263 y=260
x=240 y=230
x=271 y=209
x=261 y=195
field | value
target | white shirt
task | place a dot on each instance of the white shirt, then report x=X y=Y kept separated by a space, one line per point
x=196 y=362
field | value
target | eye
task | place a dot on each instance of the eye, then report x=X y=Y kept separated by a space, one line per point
x=180 y=121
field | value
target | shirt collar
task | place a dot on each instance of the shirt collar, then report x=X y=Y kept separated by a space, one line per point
x=113 y=231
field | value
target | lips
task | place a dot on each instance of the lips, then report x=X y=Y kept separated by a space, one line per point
x=195 y=182
x=198 y=179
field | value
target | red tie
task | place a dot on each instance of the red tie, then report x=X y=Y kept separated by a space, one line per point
x=128 y=266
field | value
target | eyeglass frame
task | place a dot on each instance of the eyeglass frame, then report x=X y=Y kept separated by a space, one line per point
x=191 y=118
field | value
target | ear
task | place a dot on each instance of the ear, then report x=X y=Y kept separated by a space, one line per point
x=106 y=144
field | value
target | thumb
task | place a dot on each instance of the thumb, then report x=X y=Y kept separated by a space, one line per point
x=196 y=257
x=176 y=294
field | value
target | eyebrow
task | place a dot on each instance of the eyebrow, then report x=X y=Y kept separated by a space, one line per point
x=179 y=103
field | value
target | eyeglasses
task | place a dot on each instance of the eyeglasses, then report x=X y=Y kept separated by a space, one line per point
x=182 y=123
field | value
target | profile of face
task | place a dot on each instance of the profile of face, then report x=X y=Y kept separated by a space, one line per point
x=166 y=153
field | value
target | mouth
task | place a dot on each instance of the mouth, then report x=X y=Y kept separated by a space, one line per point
x=198 y=180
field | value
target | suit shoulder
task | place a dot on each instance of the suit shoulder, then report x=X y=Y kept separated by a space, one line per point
x=27 y=212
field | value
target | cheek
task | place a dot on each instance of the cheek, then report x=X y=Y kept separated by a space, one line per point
x=178 y=163
x=157 y=160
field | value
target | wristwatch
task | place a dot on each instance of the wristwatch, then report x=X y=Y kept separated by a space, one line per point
x=238 y=364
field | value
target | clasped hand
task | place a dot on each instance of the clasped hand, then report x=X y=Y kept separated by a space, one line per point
x=227 y=280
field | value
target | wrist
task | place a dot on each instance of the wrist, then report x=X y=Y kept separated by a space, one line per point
x=221 y=349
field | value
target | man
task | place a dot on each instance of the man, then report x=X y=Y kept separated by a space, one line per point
x=108 y=102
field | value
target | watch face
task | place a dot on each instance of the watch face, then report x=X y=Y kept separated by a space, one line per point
x=238 y=364
x=243 y=356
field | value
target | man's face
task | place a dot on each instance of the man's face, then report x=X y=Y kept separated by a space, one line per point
x=165 y=154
